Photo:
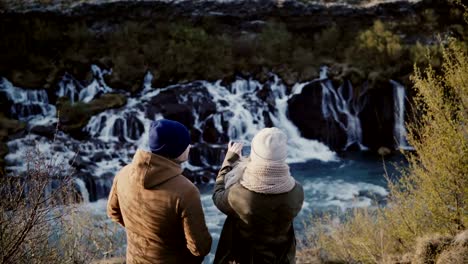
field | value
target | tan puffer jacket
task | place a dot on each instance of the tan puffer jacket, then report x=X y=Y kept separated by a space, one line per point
x=160 y=210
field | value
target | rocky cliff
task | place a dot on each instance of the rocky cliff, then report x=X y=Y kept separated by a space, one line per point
x=178 y=42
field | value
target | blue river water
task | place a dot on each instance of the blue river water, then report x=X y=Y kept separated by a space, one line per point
x=355 y=180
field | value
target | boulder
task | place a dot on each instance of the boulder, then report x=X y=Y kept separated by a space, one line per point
x=45 y=131
x=211 y=133
x=90 y=183
x=305 y=111
x=377 y=117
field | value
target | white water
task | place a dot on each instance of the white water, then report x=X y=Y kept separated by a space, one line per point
x=245 y=114
x=325 y=189
x=399 y=130
x=326 y=193
x=82 y=188
x=75 y=91
x=300 y=149
x=239 y=112
x=334 y=104
x=29 y=105
x=239 y=107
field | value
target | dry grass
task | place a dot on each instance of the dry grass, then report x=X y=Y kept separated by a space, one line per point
x=431 y=197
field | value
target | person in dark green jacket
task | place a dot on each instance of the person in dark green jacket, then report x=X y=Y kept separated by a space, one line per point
x=261 y=200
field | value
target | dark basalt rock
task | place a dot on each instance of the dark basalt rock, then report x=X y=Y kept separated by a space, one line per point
x=305 y=111
x=166 y=104
x=90 y=183
x=45 y=131
x=377 y=118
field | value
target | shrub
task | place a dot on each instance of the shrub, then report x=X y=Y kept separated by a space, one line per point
x=425 y=55
x=376 y=47
x=27 y=209
x=274 y=44
x=432 y=194
x=40 y=221
x=436 y=182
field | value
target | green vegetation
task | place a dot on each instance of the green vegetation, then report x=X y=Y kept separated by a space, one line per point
x=182 y=49
x=432 y=195
x=75 y=116
x=376 y=48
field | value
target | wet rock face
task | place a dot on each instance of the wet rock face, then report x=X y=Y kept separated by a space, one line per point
x=377 y=117
x=305 y=111
x=179 y=103
x=166 y=103
x=45 y=131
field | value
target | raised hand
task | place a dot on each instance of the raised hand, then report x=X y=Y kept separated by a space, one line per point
x=235 y=147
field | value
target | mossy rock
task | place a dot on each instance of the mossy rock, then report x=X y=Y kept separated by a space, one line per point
x=73 y=117
x=9 y=126
x=107 y=101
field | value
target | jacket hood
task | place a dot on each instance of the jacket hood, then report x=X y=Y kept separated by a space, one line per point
x=151 y=170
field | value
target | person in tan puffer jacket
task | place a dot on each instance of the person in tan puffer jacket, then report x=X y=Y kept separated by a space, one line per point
x=160 y=208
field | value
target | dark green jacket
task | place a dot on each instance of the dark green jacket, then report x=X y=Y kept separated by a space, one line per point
x=259 y=227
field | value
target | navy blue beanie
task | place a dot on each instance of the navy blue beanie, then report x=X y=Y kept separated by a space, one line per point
x=168 y=138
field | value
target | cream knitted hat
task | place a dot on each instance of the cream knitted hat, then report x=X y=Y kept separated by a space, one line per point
x=267 y=171
x=269 y=145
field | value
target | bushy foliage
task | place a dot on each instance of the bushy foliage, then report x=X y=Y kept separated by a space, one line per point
x=432 y=194
x=435 y=185
x=425 y=55
x=26 y=209
x=376 y=47
x=40 y=220
x=74 y=116
x=357 y=237
x=274 y=43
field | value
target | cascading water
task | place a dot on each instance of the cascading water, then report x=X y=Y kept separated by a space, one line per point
x=82 y=188
x=399 y=114
x=75 y=91
x=239 y=110
x=300 y=149
x=33 y=107
x=239 y=115
x=334 y=104
x=27 y=105
x=236 y=111
x=240 y=105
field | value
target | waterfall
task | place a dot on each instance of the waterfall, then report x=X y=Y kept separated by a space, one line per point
x=82 y=188
x=127 y=123
x=240 y=106
x=236 y=111
x=117 y=125
x=300 y=149
x=341 y=102
x=244 y=112
x=399 y=114
x=28 y=105
x=75 y=91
